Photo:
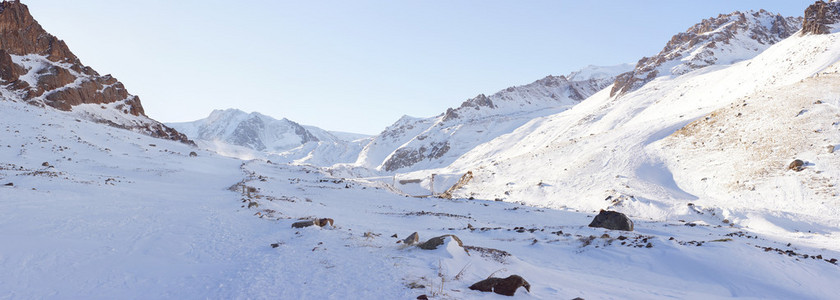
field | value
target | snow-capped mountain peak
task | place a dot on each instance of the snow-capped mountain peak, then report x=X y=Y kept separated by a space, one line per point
x=722 y=40
x=413 y=143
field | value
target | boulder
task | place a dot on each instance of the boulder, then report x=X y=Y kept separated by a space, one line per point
x=435 y=242
x=317 y=222
x=412 y=239
x=303 y=224
x=612 y=220
x=502 y=286
x=797 y=165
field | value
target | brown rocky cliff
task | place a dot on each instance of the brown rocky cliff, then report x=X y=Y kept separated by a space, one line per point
x=818 y=16
x=41 y=70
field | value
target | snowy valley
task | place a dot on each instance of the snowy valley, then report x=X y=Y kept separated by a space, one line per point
x=723 y=150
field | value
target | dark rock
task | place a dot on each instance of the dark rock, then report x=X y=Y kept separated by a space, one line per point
x=193 y=154
x=819 y=16
x=503 y=286
x=317 y=222
x=9 y=184
x=412 y=239
x=435 y=242
x=797 y=165
x=422 y=297
x=323 y=222
x=612 y=220
x=303 y=224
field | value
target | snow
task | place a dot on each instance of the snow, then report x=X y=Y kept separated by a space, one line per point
x=627 y=148
x=116 y=217
x=697 y=158
x=242 y=135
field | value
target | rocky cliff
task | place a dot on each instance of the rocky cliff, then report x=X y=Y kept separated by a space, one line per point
x=724 y=39
x=819 y=16
x=39 y=69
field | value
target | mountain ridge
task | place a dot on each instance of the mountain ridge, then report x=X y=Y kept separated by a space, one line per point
x=39 y=69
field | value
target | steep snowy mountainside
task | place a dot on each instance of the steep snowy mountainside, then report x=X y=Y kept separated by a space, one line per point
x=413 y=144
x=605 y=148
x=722 y=40
x=738 y=156
x=122 y=215
x=39 y=69
x=236 y=133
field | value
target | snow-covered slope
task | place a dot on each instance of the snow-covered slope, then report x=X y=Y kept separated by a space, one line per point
x=422 y=143
x=236 y=133
x=94 y=210
x=612 y=148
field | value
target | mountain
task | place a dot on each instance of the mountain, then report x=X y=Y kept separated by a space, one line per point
x=723 y=40
x=728 y=173
x=718 y=140
x=236 y=133
x=422 y=143
x=39 y=69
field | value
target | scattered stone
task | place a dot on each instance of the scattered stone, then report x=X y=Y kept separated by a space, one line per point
x=394 y=236
x=45 y=164
x=412 y=239
x=830 y=148
x=797 y=165
x=323 y=222
x=303 y=224
x=275 y=245
x=494 y=254
x=9 y=184
x=612 y=220
x=435 y=242
x=502 y=286
x=422 y=297
x=193 y=154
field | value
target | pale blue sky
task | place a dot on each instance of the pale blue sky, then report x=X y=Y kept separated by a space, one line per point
x=357 y=65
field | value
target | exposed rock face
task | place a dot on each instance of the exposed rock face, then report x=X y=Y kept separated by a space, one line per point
x=39 y=69
x=819 y=16
x=405 y=157
x=612 y=220
x=721 y=40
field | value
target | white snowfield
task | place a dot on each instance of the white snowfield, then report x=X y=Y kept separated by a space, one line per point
x=700 y=162
x=235 y=133
x=119 y=215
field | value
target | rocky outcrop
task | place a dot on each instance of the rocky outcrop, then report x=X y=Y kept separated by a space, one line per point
x=721 y=40
x=405 y=157
x=612 y=220
x=39 y=69
x=819 y=16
